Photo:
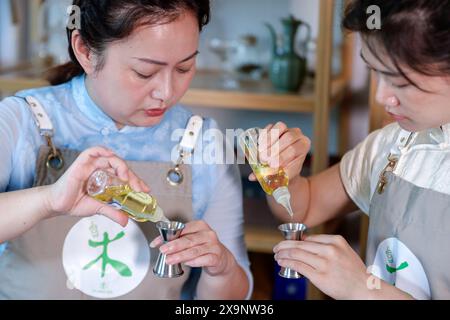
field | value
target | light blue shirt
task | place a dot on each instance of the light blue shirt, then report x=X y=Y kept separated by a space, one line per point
x=79 y=124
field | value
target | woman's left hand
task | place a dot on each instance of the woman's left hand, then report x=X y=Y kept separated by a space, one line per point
x=198 y=246
x=68 y=195
x=328 y=262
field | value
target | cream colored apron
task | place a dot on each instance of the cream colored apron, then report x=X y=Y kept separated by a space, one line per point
x=73 y=258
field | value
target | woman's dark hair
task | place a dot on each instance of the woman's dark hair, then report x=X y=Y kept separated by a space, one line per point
x=105 y=21
x=414 y=33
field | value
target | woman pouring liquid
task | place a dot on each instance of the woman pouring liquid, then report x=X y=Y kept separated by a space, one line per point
x=131 y=63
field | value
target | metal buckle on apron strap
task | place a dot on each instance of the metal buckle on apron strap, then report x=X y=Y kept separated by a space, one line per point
x=186 y=149
x=54 y=159
x=175 y=175
x=403 y=141
x=390 y=167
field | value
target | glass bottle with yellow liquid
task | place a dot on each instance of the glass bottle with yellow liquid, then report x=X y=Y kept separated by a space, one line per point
x=108 y=188
x=274 y=181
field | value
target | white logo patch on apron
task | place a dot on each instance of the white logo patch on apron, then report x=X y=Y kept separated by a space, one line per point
x=104 y=260
x=398 y=266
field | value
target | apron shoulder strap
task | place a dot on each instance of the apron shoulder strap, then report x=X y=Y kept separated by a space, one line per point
x=189 y=139
x=403 y=142
x=41 y=118
x=191 y=134
x=185 y=149
x=45 y=126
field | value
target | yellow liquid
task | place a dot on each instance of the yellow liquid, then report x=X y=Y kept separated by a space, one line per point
x=138 y=205
x=269 y=178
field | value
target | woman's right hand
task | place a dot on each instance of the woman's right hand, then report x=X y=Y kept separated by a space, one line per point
x=68 y=195
x=283 y=147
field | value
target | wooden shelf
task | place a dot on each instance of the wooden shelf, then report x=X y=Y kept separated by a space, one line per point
x=206 y=91
x=14 y=84
x=20 y=77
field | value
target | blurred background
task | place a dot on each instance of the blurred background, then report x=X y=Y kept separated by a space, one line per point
x=261 y=61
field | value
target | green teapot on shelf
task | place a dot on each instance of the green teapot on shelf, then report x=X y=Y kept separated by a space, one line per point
x=287 y=69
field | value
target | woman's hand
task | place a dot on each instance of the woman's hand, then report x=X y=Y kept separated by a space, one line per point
x=68 y=194
x=328 y=262
x=198 y=246
x=283 y=147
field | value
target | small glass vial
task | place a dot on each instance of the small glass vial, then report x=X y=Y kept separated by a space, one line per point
x=274 y=181
x=108 y=188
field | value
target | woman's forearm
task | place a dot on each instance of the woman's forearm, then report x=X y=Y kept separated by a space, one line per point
x=383 y=291
x=231 y=285
x=21 y=210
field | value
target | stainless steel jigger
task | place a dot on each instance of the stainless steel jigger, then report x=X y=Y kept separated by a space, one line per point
x=169 y=231
x=291 y=231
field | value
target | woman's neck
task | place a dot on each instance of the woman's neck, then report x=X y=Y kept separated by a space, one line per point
x=91 y=92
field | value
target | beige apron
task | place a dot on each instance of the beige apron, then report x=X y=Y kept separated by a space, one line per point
x=32 y=267
x=408 y=239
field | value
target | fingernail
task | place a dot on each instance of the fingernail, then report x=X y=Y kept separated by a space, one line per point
x=145 y=187
x=124 y=223
x=164 y=249
x=153 y=243
x=274 y=163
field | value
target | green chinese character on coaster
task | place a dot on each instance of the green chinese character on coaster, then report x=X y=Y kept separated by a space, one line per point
x=120 y=267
